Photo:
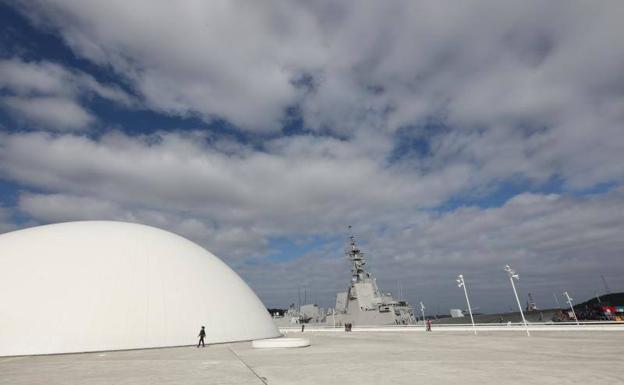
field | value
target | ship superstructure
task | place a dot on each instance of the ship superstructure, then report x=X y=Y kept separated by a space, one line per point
x=364 y=303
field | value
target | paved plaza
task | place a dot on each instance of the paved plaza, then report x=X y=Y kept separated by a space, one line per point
x=546 y=357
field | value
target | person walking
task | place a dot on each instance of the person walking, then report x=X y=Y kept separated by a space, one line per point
x=428 y=325
x=201 y=335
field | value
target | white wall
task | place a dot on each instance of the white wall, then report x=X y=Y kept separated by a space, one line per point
x=89 y=286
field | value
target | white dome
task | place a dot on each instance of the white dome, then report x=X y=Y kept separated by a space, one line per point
x=91 y=286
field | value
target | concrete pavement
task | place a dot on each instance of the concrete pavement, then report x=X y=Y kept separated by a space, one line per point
x=547 y=357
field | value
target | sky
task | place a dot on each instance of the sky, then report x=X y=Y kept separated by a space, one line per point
x=455 y=137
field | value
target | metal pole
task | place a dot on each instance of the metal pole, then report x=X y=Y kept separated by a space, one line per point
x=512 y=274
x=422 y=310
x=519 y=306
x=569 y=301
x=462 y=283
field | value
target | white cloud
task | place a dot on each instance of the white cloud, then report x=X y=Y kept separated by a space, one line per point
x=230 y=241
x=43 y=78
x=526 y=91
x=295 y=186
x=555 y=242
x=56 y=113
x=53 y=208
x=286 y=186
x=26 y=78
x=490 y=72
x=234 y=200
x=230 y=60
x=49 y=95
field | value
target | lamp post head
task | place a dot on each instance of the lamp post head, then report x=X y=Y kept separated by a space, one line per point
x=460 y=280
x=511 y=272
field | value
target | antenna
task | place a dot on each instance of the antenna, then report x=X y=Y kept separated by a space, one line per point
x=357 y=260
x=557 y=300
x=351 y=237
x=604 y=281
x=531 y=306
x=399 y=292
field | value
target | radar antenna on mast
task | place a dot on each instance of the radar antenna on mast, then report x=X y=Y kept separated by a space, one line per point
x=357 y=260
x=531 y=306
x=606 y=286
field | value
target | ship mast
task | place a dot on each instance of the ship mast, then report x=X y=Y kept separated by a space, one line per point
x=357 y=260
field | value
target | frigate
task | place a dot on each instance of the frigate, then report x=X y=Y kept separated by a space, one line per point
x=362 y=304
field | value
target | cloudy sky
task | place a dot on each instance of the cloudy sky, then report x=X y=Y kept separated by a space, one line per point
x=456 y=137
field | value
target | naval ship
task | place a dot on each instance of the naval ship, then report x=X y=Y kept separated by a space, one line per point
x=362 y=304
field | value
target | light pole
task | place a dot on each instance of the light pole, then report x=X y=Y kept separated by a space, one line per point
x=569 y=301
x=462 y=283
x=513 y=275
x=422 y=310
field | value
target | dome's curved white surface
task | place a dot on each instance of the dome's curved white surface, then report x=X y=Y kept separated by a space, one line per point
x=90 y=286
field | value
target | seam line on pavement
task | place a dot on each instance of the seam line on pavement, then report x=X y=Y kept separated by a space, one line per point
x=262 y=379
